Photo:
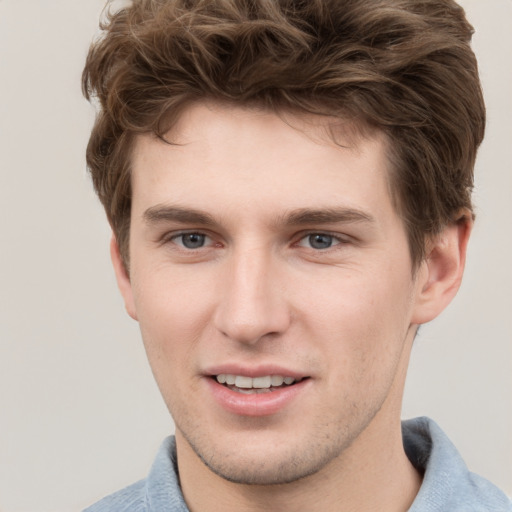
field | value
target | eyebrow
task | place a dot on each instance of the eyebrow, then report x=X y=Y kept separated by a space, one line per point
x=297 y=217
x=164 y=213
x=304 y=216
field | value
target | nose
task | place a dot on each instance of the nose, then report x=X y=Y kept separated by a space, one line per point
x=252 y=302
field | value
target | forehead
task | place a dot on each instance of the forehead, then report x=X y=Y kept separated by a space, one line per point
x=284 y=160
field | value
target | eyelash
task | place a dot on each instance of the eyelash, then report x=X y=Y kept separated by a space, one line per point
x=172 y=238
x=339 y=240
x=335 y=240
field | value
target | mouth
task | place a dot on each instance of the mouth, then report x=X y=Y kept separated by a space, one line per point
x=256 y=385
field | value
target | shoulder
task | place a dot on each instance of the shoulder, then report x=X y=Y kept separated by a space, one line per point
x=447 y=482
x=158 y=492
x=131 y=498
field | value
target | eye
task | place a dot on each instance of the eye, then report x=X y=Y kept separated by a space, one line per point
x=191 y=240
x=319 y=241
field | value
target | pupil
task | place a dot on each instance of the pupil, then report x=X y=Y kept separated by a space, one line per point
x=193 y=240
x=320 y=241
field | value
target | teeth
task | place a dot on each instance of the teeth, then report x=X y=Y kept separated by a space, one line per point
x=264 y=382
x=277 y=380
x=243 y=382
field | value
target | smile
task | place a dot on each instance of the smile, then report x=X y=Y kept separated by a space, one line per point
x=250 y=385
x=255 y=392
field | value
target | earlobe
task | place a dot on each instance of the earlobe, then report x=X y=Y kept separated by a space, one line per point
x=123 y=280
x=440 y=274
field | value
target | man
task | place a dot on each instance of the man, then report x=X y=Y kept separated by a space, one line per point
x=289 y=188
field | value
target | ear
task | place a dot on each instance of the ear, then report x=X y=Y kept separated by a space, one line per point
x=440 y=274
x=123 y=279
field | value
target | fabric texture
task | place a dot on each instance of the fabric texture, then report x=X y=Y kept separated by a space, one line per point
x=447 y=485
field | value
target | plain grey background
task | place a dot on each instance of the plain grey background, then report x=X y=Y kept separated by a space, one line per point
x=80 y=415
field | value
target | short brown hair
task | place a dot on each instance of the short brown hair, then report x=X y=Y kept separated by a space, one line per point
x=404 y=67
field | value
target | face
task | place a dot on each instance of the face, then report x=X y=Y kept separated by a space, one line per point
x=272 y=282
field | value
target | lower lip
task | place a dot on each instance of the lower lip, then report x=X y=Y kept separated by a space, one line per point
x=256 y=404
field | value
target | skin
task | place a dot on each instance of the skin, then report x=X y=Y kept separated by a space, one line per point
x=257 y=294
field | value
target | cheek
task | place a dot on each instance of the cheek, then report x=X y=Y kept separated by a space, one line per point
x=171 y=321
x=352 y=301
x=363 y=321
x=173 y=311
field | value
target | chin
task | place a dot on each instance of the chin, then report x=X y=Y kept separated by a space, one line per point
x=275 y=464
x=270 y=472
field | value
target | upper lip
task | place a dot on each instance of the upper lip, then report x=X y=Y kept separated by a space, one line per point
x=254 y=370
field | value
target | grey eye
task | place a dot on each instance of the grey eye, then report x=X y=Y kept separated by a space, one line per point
x=192 y=240
x=320 y=241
